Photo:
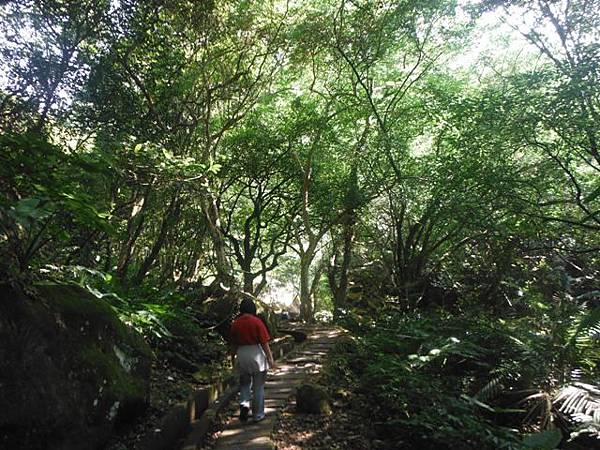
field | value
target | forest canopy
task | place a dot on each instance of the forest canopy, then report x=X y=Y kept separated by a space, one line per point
x=188 y=144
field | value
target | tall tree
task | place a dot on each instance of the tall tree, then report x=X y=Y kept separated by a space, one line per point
x=258 y=195
x=192 y=71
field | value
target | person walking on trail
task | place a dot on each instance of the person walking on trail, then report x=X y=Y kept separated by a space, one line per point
x=250 y=341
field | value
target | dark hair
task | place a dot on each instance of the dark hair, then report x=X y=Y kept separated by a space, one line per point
x=247 y=306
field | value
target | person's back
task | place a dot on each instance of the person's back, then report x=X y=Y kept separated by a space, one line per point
x=249 y=329
x=250 y=341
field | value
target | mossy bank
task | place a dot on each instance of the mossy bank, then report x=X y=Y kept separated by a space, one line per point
x=70 y=370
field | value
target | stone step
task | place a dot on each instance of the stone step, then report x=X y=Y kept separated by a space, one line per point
x=280 y=395
x=274 y=402
x=245 y=439
x=278 y=390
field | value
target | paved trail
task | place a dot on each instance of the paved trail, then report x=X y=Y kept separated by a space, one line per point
x=280 y=385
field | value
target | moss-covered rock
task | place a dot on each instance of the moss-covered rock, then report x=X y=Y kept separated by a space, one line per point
x=312 y=399
x=70 y=370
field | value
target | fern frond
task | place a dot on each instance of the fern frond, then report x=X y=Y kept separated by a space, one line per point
x=540 y=409
x=491 y=389
x=588 y=295
x=586 y=327
x=581 y=401
x=589 y=428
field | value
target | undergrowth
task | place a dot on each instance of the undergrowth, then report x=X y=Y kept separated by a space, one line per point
x=478 y=381
x=168 y=320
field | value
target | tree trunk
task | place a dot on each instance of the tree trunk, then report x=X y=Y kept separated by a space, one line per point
x=172 y=212
x=211 y=212
x=314 y=288
x=306 y=312
x=248 y=279
x=337 y=274
x=135 y=225
x=261 y=285
x=342 y=289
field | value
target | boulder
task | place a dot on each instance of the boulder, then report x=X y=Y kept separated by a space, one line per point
x=312 y=399
x=70 y=370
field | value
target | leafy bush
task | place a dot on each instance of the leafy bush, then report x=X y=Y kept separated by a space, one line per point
x=156 y=314
x=478 y=381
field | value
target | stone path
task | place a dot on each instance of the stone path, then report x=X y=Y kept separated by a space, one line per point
x=280 y=385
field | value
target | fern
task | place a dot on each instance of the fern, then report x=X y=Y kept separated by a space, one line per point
x=540 y=409
x=588 y=296
x=587 y=328
x=579 y=399
x=491 y=389
x=581 y=402
x=589 y=428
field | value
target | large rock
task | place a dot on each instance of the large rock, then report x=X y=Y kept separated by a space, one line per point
x=312 y=399
x=70 y=370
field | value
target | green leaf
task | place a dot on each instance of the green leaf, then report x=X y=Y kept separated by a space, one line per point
x=476 y=402
x=30 y=210
x=593 y=196
x=589 y=320
x=214 y=168
x=544 y=440
x=27 y=206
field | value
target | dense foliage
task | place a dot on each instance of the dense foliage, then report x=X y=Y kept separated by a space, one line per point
x=435 y=380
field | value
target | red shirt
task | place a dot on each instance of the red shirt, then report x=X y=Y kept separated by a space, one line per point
x=249 y=330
